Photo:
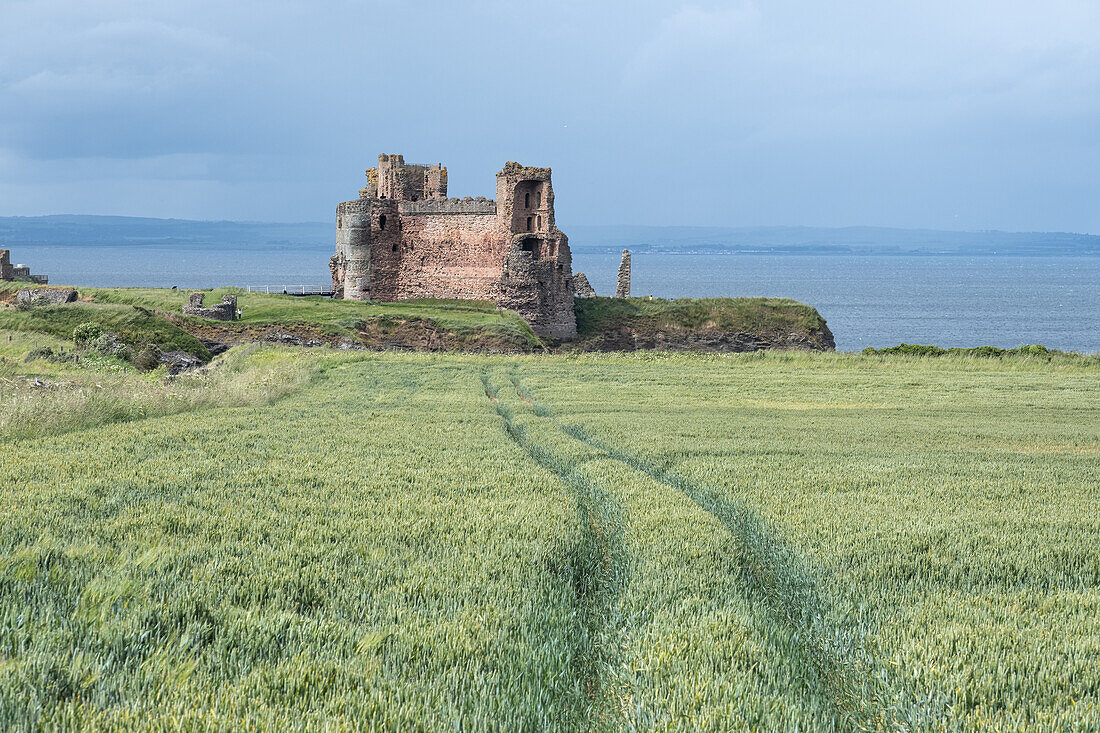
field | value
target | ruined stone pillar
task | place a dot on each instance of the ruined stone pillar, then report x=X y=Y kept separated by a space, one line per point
x=622 y=289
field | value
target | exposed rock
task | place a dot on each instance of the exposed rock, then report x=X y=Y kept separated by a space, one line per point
x=179 y=361
x=626 y=338
x=46 y=296
x=581 y=287
x=622 y=287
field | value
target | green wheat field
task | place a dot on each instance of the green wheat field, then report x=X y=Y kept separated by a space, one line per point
x=320 y=540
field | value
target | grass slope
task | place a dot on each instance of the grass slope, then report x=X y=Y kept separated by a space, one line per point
x=464 y=324
x=768 y=319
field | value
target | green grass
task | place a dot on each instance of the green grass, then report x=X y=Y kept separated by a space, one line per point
x=756 y=315
x=135 y=327
x=775 y=541
x=467 y=321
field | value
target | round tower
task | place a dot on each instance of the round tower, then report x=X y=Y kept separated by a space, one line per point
x=353 y=240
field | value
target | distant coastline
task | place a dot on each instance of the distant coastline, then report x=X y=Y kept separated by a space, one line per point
x=79 y=229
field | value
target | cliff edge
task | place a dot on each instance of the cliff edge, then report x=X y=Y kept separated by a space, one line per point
x=699 y=324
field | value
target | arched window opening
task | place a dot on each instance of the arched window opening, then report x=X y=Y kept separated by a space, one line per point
x=538 y=198
x=393 y=248
x=527 y=201
x=382 y=222
x=538 y=222
x=528 y=223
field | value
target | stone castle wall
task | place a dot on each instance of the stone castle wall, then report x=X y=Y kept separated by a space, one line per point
x=468 y=205
x=403 y=238
x=442 y=255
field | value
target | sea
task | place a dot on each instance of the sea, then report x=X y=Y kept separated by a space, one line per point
x=867 y=299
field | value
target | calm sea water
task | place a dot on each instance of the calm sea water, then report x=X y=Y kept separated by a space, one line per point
x=868 y=300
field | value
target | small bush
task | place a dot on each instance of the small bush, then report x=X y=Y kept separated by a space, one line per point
x=148 y=358
x=986 y=352
x=40 y=352
x=106 y=343
x=86 y=333
x=909 y=350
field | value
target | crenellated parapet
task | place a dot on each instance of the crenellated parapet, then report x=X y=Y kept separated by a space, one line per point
x=404 y=238
x=467 y=205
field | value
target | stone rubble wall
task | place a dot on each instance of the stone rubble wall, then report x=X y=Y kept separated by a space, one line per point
x=224 y=311
x=13 y=272
x=581 y=287
x=438 y=256
x=468 y=205
x=622 y=286
x=539 y=285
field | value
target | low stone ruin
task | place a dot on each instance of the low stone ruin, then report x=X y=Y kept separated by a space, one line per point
x=9 y=272
x=622 y=288
x=223 y=311
x=45 y=296
x=581 y=287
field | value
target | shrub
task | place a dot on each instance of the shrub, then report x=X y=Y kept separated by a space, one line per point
x=148 y=358
x=40 y=352
x=86 y=333
x=106 y=343
x=909 y=349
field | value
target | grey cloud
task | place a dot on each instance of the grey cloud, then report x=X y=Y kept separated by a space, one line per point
x=971 y=113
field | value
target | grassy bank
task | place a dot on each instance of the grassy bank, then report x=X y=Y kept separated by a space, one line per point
x=561 y=542
x=455 y=324
x=686 y=322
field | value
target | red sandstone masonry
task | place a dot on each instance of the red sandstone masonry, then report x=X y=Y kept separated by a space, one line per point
x=404 y=239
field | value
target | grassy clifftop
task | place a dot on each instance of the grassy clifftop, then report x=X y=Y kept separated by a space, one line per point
x=703 y=324
x=153 y=315
x=141 y=316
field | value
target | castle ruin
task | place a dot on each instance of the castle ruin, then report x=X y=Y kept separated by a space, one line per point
x=10 y=272
x=403 y=238
x=622 y=283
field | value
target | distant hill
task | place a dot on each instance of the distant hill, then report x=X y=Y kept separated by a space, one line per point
x=73 y=229
x=854 y=240
x=130 y=230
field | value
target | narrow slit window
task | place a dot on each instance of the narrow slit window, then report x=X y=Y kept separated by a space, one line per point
x=528 y=223
x=538 y=222
x=393 y=248
x=527 y=201
x=382 y=222
x=538 y=198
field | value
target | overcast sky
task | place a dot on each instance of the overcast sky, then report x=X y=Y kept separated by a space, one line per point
x=956 y=114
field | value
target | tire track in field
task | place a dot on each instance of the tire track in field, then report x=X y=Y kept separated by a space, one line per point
x=595 y=566
x=779 y=579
